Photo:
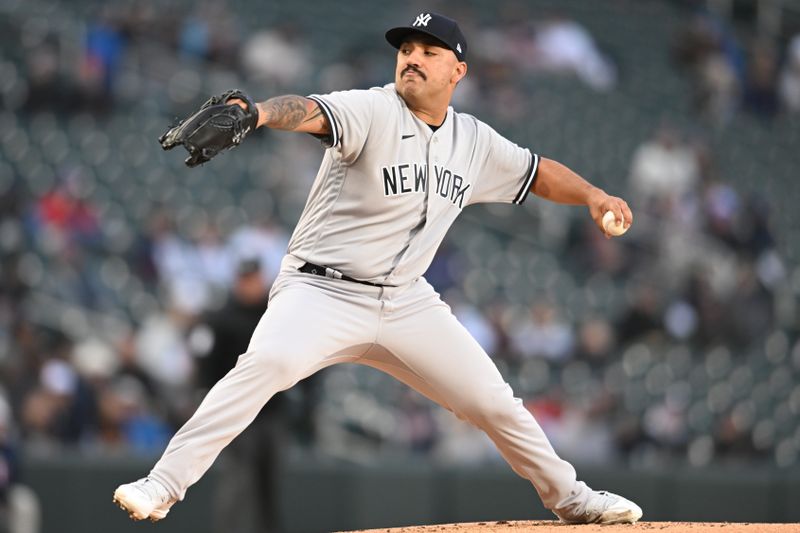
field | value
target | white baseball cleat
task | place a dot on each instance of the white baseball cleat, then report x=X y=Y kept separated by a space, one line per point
x=602 y=508
x=144 y=498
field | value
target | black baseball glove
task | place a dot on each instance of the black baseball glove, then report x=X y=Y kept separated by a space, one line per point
x=215 y=127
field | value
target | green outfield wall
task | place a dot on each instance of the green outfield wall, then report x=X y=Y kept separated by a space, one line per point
x=328 y=495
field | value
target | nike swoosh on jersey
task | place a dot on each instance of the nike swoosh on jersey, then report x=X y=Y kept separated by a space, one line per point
x=404 y=137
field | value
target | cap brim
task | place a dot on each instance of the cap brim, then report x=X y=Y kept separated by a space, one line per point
x=396 y=36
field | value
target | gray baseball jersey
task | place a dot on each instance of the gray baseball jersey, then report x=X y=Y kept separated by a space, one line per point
x=389 y=187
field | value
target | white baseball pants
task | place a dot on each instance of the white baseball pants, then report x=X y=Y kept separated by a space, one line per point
x=408 y=332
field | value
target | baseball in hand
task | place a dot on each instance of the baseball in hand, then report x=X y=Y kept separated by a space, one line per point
x=611 y=226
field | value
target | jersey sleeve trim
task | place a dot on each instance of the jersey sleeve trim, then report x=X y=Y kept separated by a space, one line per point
x=335 y=135
x=531 y=176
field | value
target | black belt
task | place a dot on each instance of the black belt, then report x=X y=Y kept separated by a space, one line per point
x=327 y=272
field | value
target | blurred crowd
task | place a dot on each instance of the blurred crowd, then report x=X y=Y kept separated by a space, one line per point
x=730 y=75
x=678 y=341
x=167 y=45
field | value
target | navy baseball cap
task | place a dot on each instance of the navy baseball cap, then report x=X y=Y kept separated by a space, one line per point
x=438 y=26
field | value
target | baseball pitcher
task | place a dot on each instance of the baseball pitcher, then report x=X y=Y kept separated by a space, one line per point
x=399 y=166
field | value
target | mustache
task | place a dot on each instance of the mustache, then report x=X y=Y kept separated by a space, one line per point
x=412 y=68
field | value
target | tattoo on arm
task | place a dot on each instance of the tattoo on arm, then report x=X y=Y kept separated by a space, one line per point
x=289 y=112
x=314 y=115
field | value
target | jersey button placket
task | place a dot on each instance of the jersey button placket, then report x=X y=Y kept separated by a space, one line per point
x=433 y=143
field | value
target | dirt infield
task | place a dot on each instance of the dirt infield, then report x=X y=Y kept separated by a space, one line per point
x=551 y=526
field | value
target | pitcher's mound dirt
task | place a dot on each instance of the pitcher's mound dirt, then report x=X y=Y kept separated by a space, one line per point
x=550 y=526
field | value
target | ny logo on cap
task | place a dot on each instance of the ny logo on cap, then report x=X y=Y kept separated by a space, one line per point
x=422 y=20
x=458 y=47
